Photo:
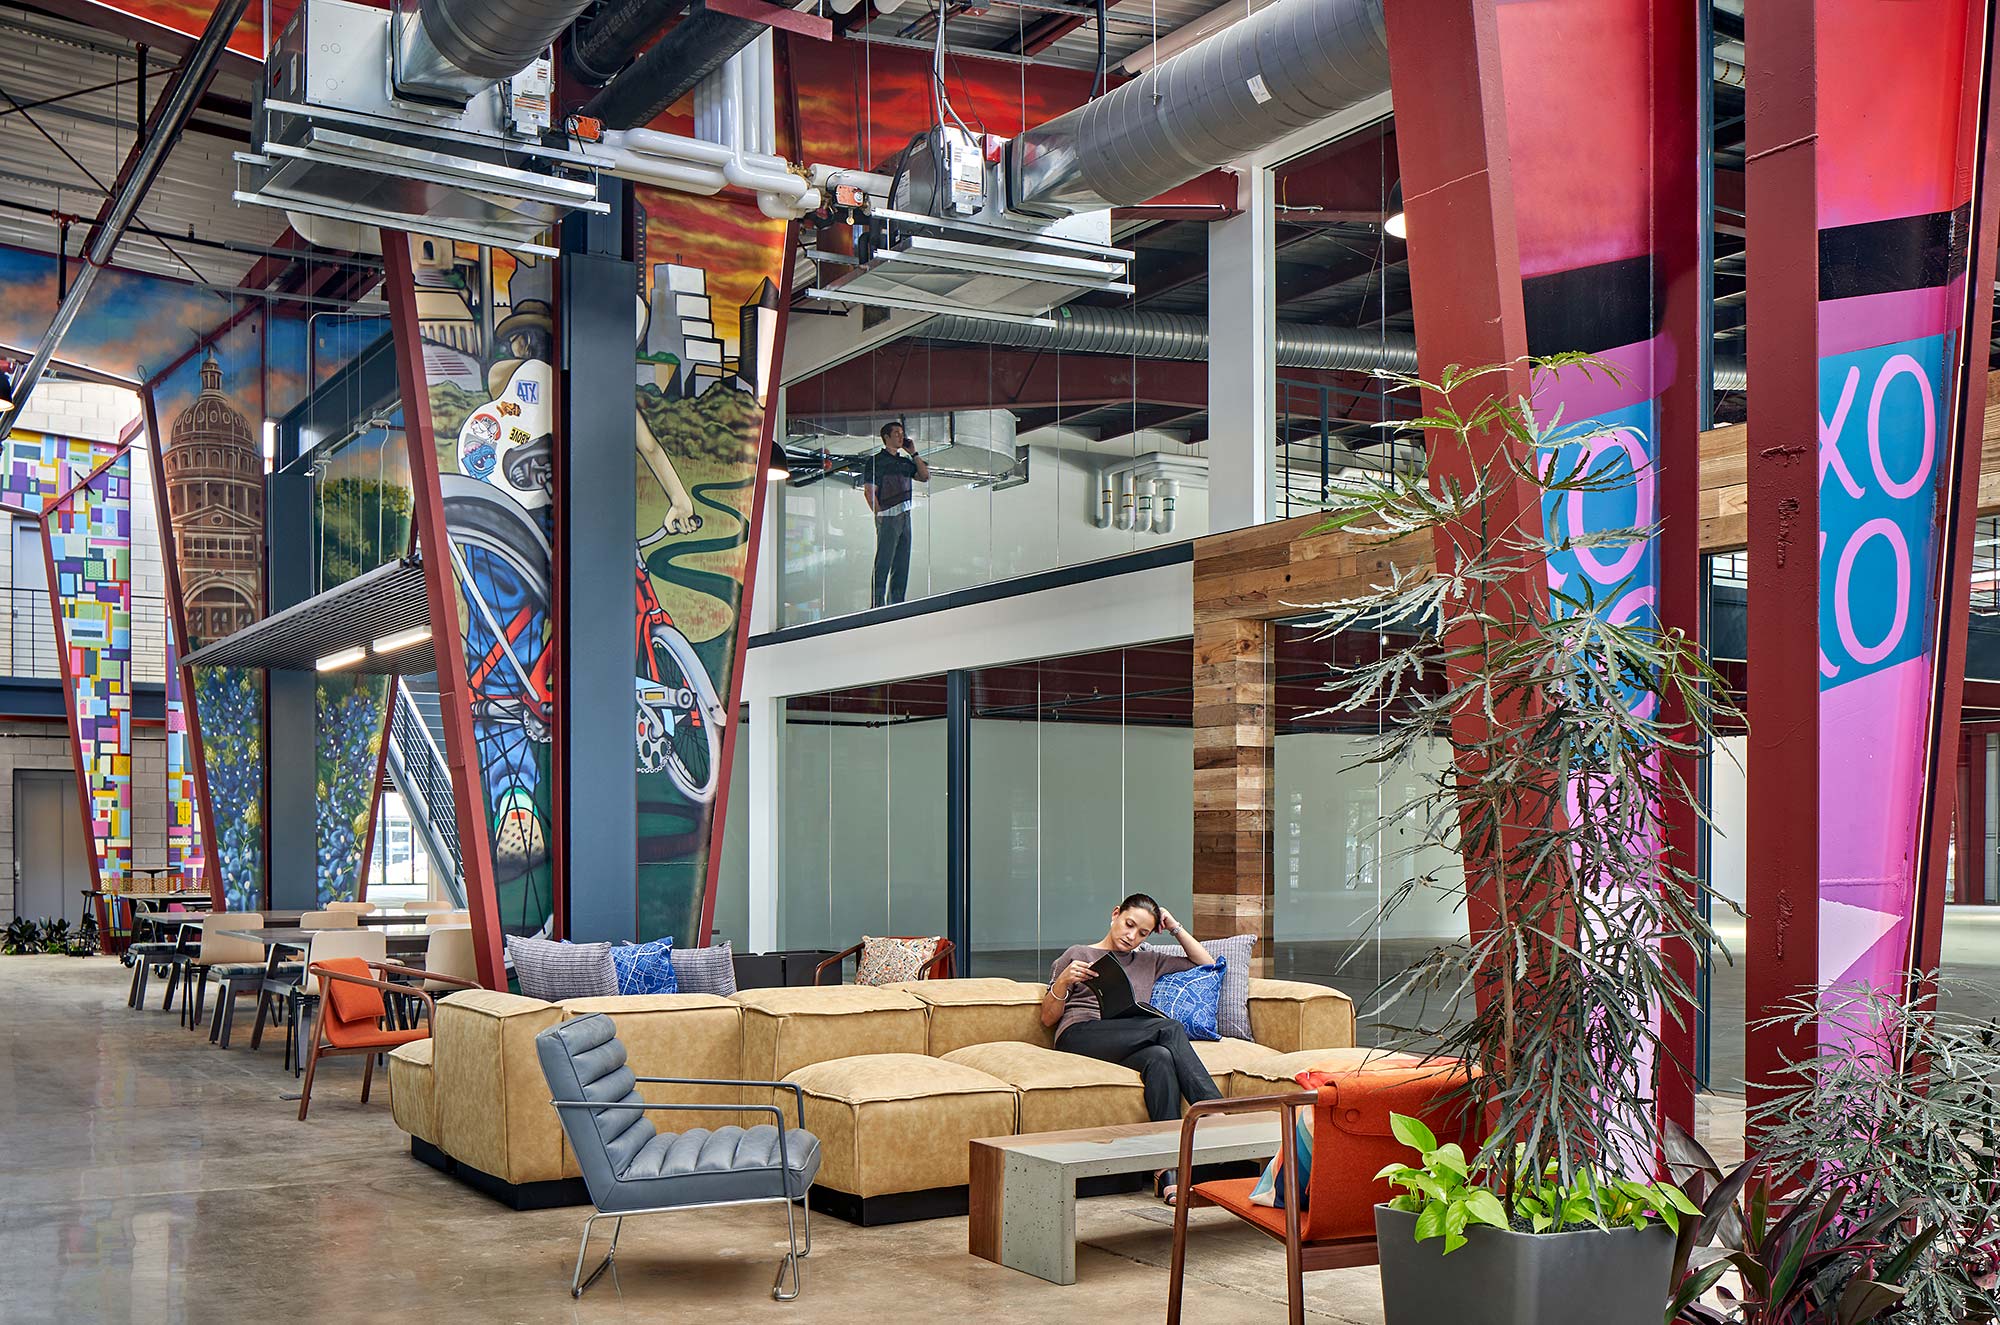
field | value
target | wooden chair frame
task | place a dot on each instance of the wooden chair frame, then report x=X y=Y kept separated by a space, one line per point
x=939 y=967
x=316 y=1049
x=1300 y=1256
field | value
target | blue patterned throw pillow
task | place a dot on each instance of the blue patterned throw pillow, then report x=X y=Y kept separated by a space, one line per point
x=645 y=968
x=1191 y=998
x=1233 y=1014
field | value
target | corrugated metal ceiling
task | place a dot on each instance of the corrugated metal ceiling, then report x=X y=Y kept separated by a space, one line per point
x=1132 y=26
x=50 y=61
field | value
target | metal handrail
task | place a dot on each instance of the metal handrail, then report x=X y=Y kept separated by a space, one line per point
x=418 y=768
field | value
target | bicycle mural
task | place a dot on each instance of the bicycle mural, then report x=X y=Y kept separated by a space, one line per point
x=490 y=389
x=708 y=318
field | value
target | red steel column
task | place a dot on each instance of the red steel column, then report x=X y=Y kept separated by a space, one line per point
x=1782 y=841
x=461 y=749
x=1969 y=392
x=1465 y=260
x=1678 y=227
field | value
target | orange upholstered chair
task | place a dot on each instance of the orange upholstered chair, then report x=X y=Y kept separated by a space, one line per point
x=1351 y=1144
x=351 y=1009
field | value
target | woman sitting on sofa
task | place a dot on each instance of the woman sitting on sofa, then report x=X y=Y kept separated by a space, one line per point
x=1156 y=1048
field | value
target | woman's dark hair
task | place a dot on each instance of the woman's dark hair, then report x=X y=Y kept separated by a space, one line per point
x=1141 y=902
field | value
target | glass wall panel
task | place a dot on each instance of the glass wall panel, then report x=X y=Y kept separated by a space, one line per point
x=864 y=814
x=1082 y=792
x=1357 y=902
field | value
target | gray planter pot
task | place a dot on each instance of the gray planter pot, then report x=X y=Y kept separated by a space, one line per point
x=1496 y=1278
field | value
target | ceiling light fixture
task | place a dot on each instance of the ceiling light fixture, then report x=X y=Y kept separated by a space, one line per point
x=333 y=662
x=776 y=468
x=1397 y=223
x=7 y=385
x=402 y=639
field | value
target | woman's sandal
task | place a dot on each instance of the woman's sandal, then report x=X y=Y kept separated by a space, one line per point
x=1166 y=1186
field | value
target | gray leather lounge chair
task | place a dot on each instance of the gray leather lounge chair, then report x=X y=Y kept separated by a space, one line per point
x=631 y=1168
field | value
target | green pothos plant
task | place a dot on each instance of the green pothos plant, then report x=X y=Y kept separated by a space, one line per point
x=1440 y=1191
x=1562 y=724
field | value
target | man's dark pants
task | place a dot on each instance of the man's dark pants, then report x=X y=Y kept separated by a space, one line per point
x=892 y=559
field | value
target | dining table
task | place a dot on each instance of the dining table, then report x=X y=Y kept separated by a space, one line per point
x=404 y=940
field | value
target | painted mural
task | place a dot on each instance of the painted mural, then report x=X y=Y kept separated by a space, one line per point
x=708 y=333
x=189 y=17
x=212 y=493
x=1895 y=176
x=186 y=861
x=87 y=533
x=362 y=517
x=485 y=319
x=39 y=467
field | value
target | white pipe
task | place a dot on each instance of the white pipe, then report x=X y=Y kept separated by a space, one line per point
x=1163 y=513
x=1124 y=517
x=1142 y=487
x=680 y=175
x=1107 y=485
x=757 y=173
x=832 y=177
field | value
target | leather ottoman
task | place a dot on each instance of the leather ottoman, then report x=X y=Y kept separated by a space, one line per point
x=894 y=1132
x=1059 y=1092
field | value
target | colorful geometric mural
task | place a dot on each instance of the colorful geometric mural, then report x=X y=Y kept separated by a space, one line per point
x=186 y=861
x=39 y=467
x=352 y=710
x=1894 y=192
x=709 y=274
x=489 y=393
x=87 y=533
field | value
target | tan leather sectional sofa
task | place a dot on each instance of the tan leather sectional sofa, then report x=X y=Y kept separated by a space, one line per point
x=897 y=1080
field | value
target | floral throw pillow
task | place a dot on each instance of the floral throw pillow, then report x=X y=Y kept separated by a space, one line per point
x=889 y=961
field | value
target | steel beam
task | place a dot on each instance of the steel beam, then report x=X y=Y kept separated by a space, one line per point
x=1782 y=806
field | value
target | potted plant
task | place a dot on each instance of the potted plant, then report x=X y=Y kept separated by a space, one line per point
x=1823 y=1250
x=1560 y=717
x=1902 y=1106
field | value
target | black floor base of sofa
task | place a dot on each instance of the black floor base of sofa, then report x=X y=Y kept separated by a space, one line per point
x=550 y=1195
x=896 y=1208
x=943 y=1202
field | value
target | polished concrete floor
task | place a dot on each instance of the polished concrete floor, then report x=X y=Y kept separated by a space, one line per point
x=146 y=1176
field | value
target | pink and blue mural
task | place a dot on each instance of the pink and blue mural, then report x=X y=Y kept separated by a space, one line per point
x=88 y=536
x=1895 y=179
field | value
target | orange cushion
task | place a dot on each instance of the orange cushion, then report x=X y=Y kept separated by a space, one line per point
x=371 y=1037
x=351 y=1002
x=1233 y=1195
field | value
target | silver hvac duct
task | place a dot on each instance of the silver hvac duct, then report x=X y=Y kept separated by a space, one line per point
x=1080 y=329
x=1294 y=63
x=456 y=48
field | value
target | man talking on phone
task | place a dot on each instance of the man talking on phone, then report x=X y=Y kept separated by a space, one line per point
x=888 y=482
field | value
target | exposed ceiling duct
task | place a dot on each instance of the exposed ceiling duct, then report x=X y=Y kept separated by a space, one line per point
x=1080 y=329
x=696 y=47
x=605 y=42
x=455 y=49
x=1292 y=64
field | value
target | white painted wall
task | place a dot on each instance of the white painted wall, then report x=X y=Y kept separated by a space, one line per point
x=964 y=536
x=1727 y=789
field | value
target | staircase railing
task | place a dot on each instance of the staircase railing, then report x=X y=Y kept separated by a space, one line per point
x=417 y=767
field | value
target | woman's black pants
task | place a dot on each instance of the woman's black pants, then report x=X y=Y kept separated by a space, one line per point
x=1154 y=1047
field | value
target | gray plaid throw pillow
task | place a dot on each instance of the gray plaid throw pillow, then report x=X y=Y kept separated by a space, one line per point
x=1232 y=1013
x=554 y=971
x=704 y=970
